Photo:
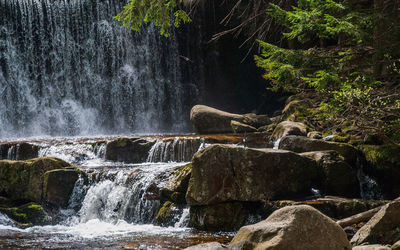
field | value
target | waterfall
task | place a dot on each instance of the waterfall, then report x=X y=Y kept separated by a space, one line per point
x=177 y=150
x=68 y=68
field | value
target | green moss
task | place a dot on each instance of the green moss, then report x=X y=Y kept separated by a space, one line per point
x=166 y=214
x=338 y=138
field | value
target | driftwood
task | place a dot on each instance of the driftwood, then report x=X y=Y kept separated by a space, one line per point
x=361 y=217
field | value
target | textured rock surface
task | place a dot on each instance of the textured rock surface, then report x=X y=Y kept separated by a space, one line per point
x=228 y=216
x=208 y=120
x=23 y=180
x=29 y=214
x=383 y=228
x=129 y=150
x=176 y=187
x=301 y=144
x=223 y=173
x=286 y=128
x=294 y=227
x=58 y=185
x=339 y=177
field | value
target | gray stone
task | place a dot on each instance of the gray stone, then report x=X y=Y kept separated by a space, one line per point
x=294 y=227
x=382 y=228
x=289 y=128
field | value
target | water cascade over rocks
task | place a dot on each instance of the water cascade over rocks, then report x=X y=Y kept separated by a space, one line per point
x=68 y=68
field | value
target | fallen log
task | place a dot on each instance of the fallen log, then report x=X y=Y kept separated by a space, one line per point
x=361 y=217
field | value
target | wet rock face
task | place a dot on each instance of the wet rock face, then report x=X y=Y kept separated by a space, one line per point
x=383 y=228
x=207 y=120
x=339 y=177
x=302 y=144
x=222 y=173
x=19 y=152
x=58 y=185
x=23 y=180
x=129 y=150
x=294 y=227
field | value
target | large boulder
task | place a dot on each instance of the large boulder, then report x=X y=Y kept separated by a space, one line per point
x=129 y=150
x=289 y=128
x=208 y=120
x=58 y=185
x=222 y=173
x=382 y=228
x=339 y=177
x=23 y=180
x=302 y=144
x=294 y=227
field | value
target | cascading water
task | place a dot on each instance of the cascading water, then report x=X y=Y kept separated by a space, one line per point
x=111 y=204
x=67 y=68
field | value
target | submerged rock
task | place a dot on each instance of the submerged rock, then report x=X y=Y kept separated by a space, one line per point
x=302 y=144
x=382 y=228
x=129 y=150
x=286 y=128
x=58 y=185
x=208 y=120
x=23 y=180
x=339 y=177
x=222 y=173
x=294 y=227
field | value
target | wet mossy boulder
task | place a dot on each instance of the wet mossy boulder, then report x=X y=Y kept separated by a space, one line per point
x=23 y=180
x=168 y=214
x=176 y=187
x=289 y=128
x=222 y=173
x=30 y=213
x=302 y=144
x=227 y=216
x=382 y=228
x=208 y=120
x=129 y=150
x=294 y=227
x=339 y=177
x=296 y=110
x=58 y=185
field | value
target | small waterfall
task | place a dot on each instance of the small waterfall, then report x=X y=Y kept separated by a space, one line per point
x=74 y=153
x=276 y=144
x=119 y=194
x=368 y=187
x=68 y=68
x=177 y=150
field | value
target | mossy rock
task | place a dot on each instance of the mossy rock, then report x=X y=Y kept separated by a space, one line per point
x=168 y=214
x=30 y=213
x=58 y=185
x=23 y=180
x=175 y=189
